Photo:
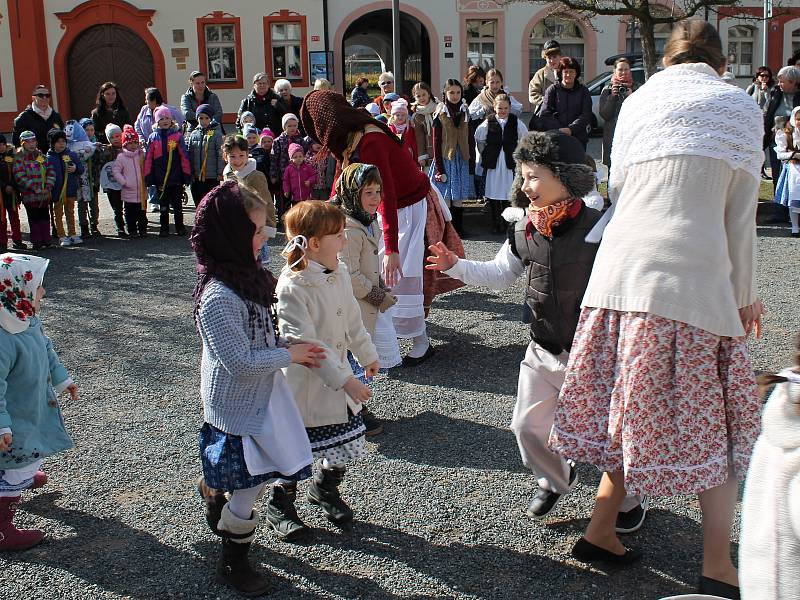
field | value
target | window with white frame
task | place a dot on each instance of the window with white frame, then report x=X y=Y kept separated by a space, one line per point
x=221 y=52
x=482 y=43
x=741 y=42
x=287 y=48
x=562 y=29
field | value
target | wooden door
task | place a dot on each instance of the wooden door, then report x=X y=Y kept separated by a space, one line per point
x=108 y=53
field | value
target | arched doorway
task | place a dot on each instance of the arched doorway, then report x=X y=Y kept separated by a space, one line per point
x=371 y=35
x=108 y=53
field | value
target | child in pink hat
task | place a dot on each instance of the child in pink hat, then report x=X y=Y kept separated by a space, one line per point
x=299 y=177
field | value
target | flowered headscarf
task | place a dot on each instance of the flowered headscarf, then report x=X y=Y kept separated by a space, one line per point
x=20 y=277
x=348 y=192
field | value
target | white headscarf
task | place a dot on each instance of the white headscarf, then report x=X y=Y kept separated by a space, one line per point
x=20 y=277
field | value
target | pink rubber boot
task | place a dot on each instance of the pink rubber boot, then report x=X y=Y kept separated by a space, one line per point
x=12 y=538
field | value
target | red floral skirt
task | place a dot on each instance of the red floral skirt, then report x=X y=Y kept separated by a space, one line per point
x=671 y=405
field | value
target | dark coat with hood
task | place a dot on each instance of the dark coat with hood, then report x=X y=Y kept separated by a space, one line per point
x=30 y=120
x=119 y=116
x=266 y=114
x=571 y=108
x=293 y=107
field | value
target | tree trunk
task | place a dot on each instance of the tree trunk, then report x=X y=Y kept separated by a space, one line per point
x=649 y=58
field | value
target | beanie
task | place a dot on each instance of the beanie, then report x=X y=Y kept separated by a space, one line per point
x=56 y=134
x=295 y=148
x=129 y=135
x=27 y=135
x=288 y=117
x=162 y=112
x=111 y=129
x=85 y=122
x=206 y=110
x=248 y=129
x=399 y=106
x=267 y=133
x=246 y=114
x=373 y=109
x=391 y=97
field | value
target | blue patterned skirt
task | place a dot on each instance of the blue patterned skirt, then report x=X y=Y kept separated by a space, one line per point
x=224 y=468
x=787 y=190
x=338 y=443
x=460 y=184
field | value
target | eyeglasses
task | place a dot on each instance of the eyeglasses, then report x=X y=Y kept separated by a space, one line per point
x=763 y=74
x=383 y=83
x=42 y=95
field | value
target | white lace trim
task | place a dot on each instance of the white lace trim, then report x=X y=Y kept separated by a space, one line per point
x=687 y=109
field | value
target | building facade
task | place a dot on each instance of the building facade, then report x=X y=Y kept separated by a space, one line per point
x=74 y=46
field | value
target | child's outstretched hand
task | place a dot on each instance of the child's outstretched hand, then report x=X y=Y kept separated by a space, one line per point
x=5 y=442
x=372 y=369
x=357 y=390
x=441 y=258
x=308 y=355
x=73 y=391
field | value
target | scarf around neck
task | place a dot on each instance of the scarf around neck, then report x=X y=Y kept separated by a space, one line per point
x=348 y=192
x=545 y=218
x=426 y=112
x=20 y=277
x=45 y=114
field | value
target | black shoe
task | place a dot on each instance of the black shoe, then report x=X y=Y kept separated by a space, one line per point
x=163 y=234
x=712 y=587
x=234 y=569
x=544 y=501
x=214 y=501
x=632 y=520
x=585 y=551
x=281 y=513
x=796 y=234
x=371 y=423
x=19 y=245
x=412 y=361
x=324 y=492
x=122 y=234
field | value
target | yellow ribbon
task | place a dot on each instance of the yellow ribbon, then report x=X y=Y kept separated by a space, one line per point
x=42 y=170
x=171 y=148
x=209 y=135
x=63 y=194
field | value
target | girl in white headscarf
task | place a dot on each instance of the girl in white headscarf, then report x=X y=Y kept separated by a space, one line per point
x=787 y=149
x=31 y=377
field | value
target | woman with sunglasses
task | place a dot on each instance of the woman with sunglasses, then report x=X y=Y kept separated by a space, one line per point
x=38 y=117
x=386 y=84
x=761 y=87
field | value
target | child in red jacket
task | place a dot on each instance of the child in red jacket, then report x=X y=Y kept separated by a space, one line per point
x=299 y=178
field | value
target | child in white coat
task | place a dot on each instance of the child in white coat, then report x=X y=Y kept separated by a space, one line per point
x=787 y=149
x=316 y=304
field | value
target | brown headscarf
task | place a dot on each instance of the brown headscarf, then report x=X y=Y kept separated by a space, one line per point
x=329 y=118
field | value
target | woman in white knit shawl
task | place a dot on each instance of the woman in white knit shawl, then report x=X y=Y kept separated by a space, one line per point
x=659 y=391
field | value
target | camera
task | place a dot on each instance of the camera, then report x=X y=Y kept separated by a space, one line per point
x=622 y=90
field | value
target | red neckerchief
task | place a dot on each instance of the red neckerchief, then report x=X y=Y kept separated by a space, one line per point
x=553 y=215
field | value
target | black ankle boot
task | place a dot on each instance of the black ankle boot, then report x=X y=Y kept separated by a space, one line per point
x=233 y=569
x=281 y=513
x=324 y=492
x=213 y=501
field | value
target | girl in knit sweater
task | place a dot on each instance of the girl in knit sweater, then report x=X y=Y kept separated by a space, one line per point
x=424 y=107
x=253 y=433
x=316 y=302
x=787 y=149
x=450 y=171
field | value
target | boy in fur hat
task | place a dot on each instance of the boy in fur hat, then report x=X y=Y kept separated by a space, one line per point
x=549 y=224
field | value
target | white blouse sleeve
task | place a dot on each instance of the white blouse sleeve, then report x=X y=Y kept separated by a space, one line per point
x=782 y=146
x=516 y=105
x=497 y=274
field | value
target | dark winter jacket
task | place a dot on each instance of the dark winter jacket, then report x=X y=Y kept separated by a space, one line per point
x=293 y=107
x=29 y=120
x=7 y=178
x=56 y=160
x=571 y=108
x=558 y=273
x=266 y=114
x=280 y=153
x=189 y=106
x=359 y=97
x=262 y=158
x=119 y=116
x=198 y=141
x=157 y=159
x=610 y=105
x=769 y=113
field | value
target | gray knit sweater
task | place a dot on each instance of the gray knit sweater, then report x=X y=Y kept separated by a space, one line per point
x=236 y=372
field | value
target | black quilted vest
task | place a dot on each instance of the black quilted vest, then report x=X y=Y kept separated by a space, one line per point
x=498 y=139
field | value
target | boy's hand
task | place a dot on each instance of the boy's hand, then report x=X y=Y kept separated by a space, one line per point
x=441 y=258
x=73 y=391
x=372 y=369
x=5 y=442
x=357 y=391
x=71 y=169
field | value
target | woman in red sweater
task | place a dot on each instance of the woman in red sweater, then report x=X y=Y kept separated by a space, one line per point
x=353 y=135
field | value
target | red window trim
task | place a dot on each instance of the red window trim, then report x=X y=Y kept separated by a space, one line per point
x=284 y=16
x=220 y=18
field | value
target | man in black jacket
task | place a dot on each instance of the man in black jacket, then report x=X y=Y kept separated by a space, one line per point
x=38 y=117
x=261 y=102
x=785 y=96
x=547 y=237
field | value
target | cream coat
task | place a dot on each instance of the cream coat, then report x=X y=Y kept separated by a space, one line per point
x=319 y=307
x=361 y=257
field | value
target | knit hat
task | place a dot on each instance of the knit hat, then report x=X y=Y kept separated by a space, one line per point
x=391 y=97
x=295 y=148
x=399 y=106
x=563 y=154
x=162 y=112
x=249 y=129
x=551 y=47
x=27 y=135
x=246 y=114
x=129 y=135
x=56 y=134
x=85 y=122
x=206 y=110
x=288 y=117
x=111 y=129
x=267 y=133
x=373 y=109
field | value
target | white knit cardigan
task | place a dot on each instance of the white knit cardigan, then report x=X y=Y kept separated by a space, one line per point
x=769 y=549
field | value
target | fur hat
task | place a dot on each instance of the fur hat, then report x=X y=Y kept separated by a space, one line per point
x=295 y=148
x=111 y=129
x=562 y=154
x=129 y=135
x=288 y=117
x=162 y=112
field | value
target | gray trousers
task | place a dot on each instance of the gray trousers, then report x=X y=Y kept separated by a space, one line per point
x=541 y=375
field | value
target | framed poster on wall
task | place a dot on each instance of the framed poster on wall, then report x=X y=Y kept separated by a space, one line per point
x=321 y=65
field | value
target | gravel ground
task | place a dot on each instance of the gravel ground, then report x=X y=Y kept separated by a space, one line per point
x=439 y=500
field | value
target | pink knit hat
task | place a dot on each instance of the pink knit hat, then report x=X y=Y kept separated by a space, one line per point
x=295 y=148
x=162 y=112
x=266 y=132
x=399 y=106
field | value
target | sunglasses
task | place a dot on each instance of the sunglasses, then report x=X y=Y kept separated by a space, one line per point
x=42 y=95
x=383 y=83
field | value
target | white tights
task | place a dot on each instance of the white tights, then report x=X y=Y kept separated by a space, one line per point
x=242 y=501
x=794 y=216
